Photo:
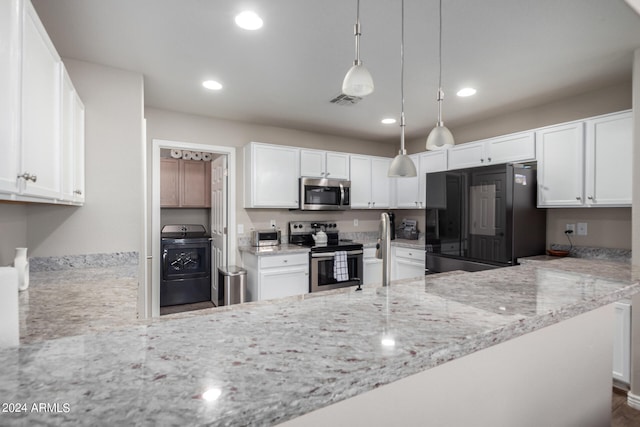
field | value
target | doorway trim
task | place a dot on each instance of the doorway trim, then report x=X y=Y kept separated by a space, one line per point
x=152 y=288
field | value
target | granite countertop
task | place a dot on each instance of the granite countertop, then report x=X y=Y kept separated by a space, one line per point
x=276 y=360
x=282 y=249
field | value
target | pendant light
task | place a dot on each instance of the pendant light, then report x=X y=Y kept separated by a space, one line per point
x=440 y=137
x=358 y=81
x=402 y=165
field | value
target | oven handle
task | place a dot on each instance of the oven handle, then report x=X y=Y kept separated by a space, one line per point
x=333 y=254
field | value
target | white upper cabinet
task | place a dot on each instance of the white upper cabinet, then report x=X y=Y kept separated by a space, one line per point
x=586 y=163
x=411 y=192
x=407 y=190
x=10 y=98
x=41 y=111
x=515 y=147
x=609 y=160
x=370 y=185
x=41 y=115
x=561 y=165
x=467 y=155
x=271 y=176
x=324 y=164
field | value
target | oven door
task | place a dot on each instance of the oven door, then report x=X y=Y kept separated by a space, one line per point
x=322 y=272
x=185 y=261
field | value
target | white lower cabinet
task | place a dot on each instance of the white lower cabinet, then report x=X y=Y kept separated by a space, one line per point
x=406 y=263
x=276 y=276
x=372 y=267
x=622 y=342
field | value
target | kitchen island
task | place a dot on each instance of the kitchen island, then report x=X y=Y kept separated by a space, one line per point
x=291 y=359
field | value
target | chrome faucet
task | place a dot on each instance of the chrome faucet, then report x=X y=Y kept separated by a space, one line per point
x=383 y=248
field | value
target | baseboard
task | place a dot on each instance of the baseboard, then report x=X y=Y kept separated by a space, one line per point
x=633 y=400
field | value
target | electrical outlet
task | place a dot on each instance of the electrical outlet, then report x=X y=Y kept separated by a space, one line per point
x=582 y=229
x=273 y=223
x=355 y=222
x=240 y=228
x=570 y=227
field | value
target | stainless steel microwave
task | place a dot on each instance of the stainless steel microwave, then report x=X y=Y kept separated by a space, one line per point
x=321 y=194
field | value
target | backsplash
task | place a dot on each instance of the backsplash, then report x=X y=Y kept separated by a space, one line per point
x=609 y=254
x=82 y=261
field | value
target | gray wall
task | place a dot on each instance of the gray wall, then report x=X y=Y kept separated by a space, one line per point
x=111 y=220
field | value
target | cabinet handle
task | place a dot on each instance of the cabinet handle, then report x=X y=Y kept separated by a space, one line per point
x=489 y=159
x=590 y=197
x=481 y=160
x=28 y=177
x=368 y=204
x=285 y=260
x=327 y=173
x=374 y=204
x=578 y=198
x=78 y=192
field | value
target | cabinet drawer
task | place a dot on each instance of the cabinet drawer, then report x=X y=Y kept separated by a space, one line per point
x=284 y=260
x=413 y=254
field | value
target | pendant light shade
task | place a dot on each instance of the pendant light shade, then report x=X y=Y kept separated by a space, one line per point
x=402 y=166
x=358 y=81
x=440 y=137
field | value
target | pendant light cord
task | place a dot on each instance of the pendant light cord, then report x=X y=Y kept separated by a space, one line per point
x=440 y=47
x=402 y=123
x=356 y=30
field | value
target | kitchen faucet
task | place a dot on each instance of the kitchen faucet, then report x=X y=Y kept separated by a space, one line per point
x=383 y=248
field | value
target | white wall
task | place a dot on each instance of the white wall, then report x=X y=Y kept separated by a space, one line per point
x=111 y=219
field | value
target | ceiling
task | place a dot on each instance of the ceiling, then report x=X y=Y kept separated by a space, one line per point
x=517 y=53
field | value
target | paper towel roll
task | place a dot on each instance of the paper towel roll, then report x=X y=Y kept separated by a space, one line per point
x=176 y=154
x=186 y=154
x=196 y=155
x=206 y=157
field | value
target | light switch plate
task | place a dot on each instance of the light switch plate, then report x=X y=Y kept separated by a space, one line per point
x=240 y=228
x=582 y=229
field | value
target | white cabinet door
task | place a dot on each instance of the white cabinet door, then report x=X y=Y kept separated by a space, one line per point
x=622 y=343
x=40 y=121
x=284 y=282
x=407 y=190
x=67 y=136
x=312 y=163
x=467 y=155
x=78 y=152
x=271 y=176
x=407 y=263
x=561 y=165
x=511 y=148
x=337 y=165
x=10 y=98
x=360 y=182
x=372 y=267
x=609 y=161
x=380 y=183
x=433 y=161
x=324 y=164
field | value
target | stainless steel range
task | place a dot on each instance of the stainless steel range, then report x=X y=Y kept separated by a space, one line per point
x=186 y=264
x=336 y=264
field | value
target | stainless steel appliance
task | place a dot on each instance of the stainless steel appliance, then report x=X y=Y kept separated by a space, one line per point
x=322 y=194
x=337 y=264
x=482 y=218
x=265 y=237
x=186 y=264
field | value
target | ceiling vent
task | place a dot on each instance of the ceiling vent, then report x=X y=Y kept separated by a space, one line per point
x=343 y=99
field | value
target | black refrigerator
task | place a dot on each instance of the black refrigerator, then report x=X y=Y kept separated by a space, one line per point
x=482 y=218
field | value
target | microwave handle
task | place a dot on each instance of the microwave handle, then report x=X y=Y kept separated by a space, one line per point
x=341 y=194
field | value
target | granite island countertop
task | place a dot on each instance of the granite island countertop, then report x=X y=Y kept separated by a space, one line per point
x=276 y=360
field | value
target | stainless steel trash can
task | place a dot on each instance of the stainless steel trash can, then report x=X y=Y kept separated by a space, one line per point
x=232 y=283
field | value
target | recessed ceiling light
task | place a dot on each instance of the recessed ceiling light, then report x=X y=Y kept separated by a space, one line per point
x=212 y=84
x=388 y=121
x=248 y=20
x=467 y=91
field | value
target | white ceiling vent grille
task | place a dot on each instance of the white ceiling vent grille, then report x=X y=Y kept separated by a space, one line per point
x=343 y=99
